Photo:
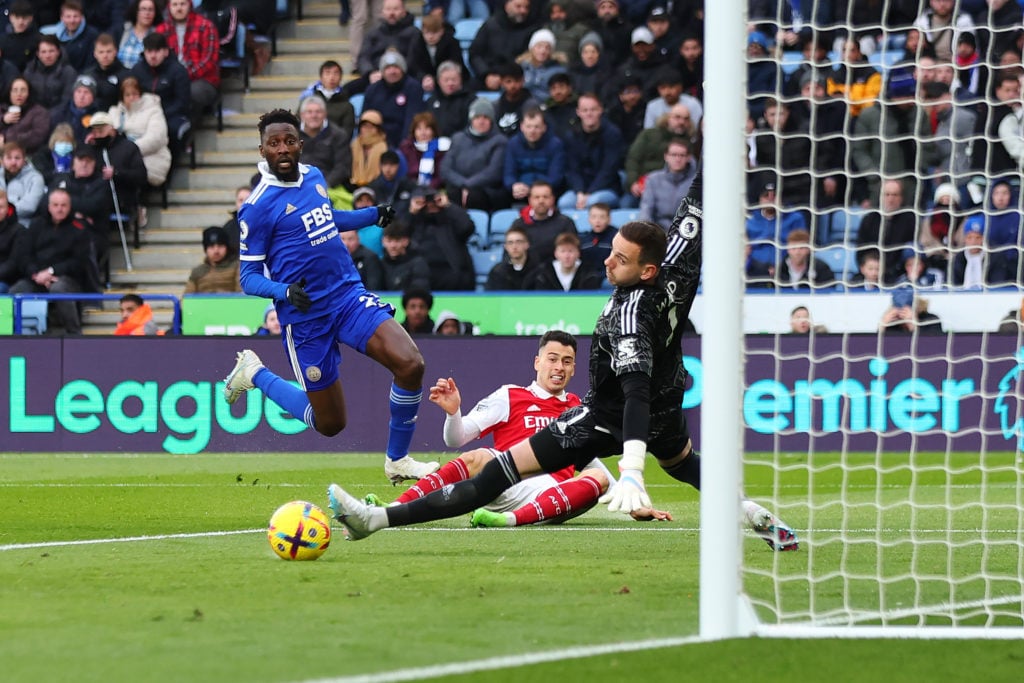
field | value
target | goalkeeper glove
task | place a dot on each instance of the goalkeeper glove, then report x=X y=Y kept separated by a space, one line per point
x=629 y=493
x=297 y=297
x=385 y=214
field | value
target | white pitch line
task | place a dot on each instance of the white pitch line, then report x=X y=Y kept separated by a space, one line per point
x=922 y=610
x=125 y=539
x=509 y=661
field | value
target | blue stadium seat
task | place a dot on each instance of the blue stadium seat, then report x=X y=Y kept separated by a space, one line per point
x=33 y=316
x=465 y=31
x=489 y=95
x=357 y=103
x=791 y=60
x=622 y=216
x=840 y=226
x=580 y=218
x=483 y=261
x=481 y=221
x=841 y=260
x=500 y=222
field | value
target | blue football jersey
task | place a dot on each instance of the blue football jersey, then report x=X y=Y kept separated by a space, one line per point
x=293 y=230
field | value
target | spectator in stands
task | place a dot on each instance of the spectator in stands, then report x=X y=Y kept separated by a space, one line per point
x=642 y=64
x=762 y=72
x=10 y=231
x=670 y=93
x=783 y=143
x=122 y=161
x=416 y=304
x=24 y=119
x=166 y=78
x=627 y=112
x=534 y=153
x=139 y=117
x=918 y=274
x=998 y=29
x=76 y=36
x=859 y=83
x=56 y=156
x=435 y=45
x=395 y=95
x=800 y=322
x=596 y=244
x=108 y=72
x=511 y=273
x=909 y=314
x=815 y=63
x=565 y=20
x=940 y=224
x=391 y=187
x=8 y=72
x=219 y=270
x=952 y=133
x=440 y=233
x=940 y=29
x=54 y=257
x=370 y=235
x=647 y=153
x=79 y=109
x=828 y=130
x=503 y=36
x=142 y=18
x=877 y=148
x=597 y=151
x=560 y=106
x=424 y=150
x=403 y=269
x=666 y=41
x=340 y=111
x=542 y=222
x=473 y=168
x=395 y=31
x=540 y=63
x=371 y=272
x=20 y=43
x=889 y=230
x=231 y=226
x=1002 y=225
x=614 y=31
x=665 y=188
x=757 y=274
x=974 y=266
x=513 y=101
x=566 y=272
x=23 y=183
x=367 y=147
x=362 y=17
x=193 y=39
x=449 y=325
x=591 y=70
x=869 y=272
x=137 y=318
x=51 y=77
x=271 y=326
x=91 y=199
x=450 y=101
x=800 y=269
x=324 y=145
x=768 y=227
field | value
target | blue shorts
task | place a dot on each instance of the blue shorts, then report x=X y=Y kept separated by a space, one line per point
x=312 y=345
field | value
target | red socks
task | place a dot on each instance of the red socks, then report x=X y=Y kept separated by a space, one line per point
x=562 y=501
x=450 y=472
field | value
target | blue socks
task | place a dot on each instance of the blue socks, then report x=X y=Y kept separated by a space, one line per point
x=404 y=405
x=286 y=395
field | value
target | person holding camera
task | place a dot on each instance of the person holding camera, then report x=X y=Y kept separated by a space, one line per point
x=440 y=232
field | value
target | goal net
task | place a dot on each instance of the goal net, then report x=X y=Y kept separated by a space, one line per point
x=884 y=145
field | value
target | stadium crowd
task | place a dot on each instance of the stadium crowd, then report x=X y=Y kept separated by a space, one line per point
x=884 y=149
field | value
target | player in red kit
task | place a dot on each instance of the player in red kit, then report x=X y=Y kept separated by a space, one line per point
x=510 y=415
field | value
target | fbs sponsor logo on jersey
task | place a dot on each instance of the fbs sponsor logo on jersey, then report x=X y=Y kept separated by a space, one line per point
x=319 y=224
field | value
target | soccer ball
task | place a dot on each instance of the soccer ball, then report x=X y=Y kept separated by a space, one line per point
x=299 y=531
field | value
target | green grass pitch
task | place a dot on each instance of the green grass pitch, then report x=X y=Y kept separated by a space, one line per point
x=418 y=604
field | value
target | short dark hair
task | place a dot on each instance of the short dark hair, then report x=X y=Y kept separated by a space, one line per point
x=155 y=41
x=49 y=39
x=132 y=298
x=417 y=293
x=390 y=157
x=560 y=77
x=651 y=239
x=277 y=116
x=559 y=337
x=518 y=228
x=22 y=8
x=330 y=64
x=511 y=70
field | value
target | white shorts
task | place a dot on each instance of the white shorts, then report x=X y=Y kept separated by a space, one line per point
x=522 y=493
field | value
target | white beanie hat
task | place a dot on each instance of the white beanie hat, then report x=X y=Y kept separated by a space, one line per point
x=542 y=36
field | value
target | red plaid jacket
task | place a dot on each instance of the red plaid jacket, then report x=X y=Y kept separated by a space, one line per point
x=201 y=56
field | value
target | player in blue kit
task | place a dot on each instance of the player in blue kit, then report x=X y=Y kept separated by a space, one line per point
x=290 y=231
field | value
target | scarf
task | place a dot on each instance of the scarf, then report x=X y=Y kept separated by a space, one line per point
x=366 y=151
x=426 y=170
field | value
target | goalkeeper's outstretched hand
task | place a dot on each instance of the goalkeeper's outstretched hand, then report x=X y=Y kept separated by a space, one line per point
x=297 y=296
x=385 y=214
x=628 y=493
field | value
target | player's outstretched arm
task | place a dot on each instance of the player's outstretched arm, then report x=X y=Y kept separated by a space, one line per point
x=255 y=283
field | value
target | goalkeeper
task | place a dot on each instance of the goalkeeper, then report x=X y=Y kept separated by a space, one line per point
x=636 y=389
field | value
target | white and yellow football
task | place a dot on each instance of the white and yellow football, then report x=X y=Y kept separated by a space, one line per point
x=299 y=531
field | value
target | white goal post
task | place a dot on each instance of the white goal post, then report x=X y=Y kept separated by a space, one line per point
x=897 y=461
